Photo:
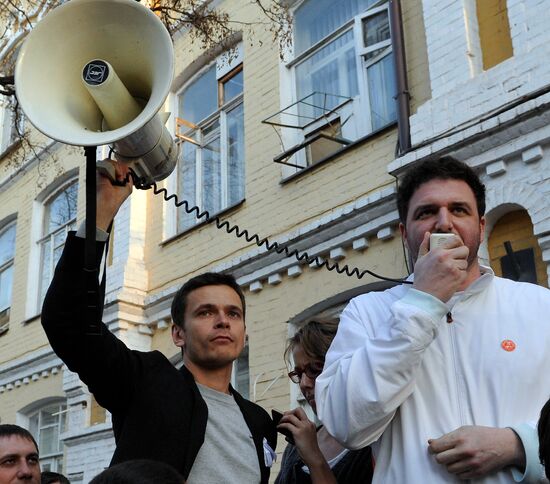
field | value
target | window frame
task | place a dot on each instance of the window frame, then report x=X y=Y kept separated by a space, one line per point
x=357 y=109
x=54 y=458
x=9 y=263
x=194 y=133
x=33 y=299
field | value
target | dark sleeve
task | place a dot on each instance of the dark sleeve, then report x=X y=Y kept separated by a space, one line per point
x=355 y=466
x=102 y=361
x=285 y=475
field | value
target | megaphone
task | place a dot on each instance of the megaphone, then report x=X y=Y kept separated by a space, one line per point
x=96 y=72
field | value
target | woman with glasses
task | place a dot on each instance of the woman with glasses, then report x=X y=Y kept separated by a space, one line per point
x=315 y=456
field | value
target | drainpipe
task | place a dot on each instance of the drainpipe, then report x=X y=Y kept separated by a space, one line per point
x=403 y=95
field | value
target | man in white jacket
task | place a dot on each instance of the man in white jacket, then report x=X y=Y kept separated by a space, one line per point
x=446 y=376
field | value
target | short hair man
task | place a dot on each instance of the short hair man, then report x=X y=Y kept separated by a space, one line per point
x=19 y=461
x=49 y=477
x=438 y=374
x=191 y=419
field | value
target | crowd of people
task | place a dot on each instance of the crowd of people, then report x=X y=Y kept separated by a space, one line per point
x=438 y=379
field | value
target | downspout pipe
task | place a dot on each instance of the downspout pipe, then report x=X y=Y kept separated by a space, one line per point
x=403 y=95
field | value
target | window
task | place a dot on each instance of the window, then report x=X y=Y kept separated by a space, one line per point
x=8 y=132
x=241 y=373
x=211 y=133
x=46 y=426
x=59 y=218
x=7 y=251
x=343 y=69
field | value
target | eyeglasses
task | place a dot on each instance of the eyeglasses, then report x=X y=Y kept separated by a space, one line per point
x=312 y=371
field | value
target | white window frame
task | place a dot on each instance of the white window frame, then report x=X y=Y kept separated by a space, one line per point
x=24 y=420
x=34 y=301
x=224 y=65
x=7 y=128
x=357 y=111
x=234 y=383
x=5 y=266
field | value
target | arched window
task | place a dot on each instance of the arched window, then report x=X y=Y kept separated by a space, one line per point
x=46 y=425
x=210 y=128
x=59 y=218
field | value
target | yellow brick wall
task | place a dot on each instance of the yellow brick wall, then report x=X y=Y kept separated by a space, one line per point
x=18 y=197
x=14 y=400
x=494 y=32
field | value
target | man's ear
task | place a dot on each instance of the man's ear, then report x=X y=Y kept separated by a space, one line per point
x=403 y=231
x=178 y=336
x=482 y=225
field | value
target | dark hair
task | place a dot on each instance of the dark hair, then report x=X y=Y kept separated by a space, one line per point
x=544 y=438
x=444 y=168
x=140 y=471
x=7 y=430
x=49 y=477
x=314 y=338
x=207 y=279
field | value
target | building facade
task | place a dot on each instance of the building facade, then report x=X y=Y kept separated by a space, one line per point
x=304 y=150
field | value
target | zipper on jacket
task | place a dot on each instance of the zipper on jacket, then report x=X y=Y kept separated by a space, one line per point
x=458 y=378
x=449 y=317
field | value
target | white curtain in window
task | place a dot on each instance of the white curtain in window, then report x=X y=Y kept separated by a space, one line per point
x=329 y=71
x=187 y=184
x=211 y=170
x=382 y=89
x=235 y=147
x=315 y=19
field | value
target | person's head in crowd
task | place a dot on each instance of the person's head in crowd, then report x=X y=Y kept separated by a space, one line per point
x=208 y=312
x=19 y=460
x=139 y=472
x=544 y=438
x=442 y=195
x=49 y=477
x=307 y=350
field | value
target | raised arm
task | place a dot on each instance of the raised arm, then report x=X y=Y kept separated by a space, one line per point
x=102 y=361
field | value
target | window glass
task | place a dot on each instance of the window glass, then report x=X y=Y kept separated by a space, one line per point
x=331 y=70
x=233 y=87
x=211 y=172
x=382 y=86
x=7 y=251
x=199 y=99
x=211 y=169
x=235 y=144
x=315 y=19
x=376 y=28
x=46 y=426
x=59 y=218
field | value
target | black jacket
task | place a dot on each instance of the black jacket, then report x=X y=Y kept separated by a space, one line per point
x=158 y=412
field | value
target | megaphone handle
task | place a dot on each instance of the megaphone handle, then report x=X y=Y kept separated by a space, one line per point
x=107 y=169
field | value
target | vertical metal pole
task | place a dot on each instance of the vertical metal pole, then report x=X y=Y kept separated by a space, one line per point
x=91 y=273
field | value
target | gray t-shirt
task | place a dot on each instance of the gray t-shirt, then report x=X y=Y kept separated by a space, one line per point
x=228 y=454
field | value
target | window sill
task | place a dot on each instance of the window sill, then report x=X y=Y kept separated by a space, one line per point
x=10 y=148
x=187 y=231
x=338 y=153
x=30 y=320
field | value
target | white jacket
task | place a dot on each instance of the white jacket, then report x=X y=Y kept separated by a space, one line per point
x=398 y=373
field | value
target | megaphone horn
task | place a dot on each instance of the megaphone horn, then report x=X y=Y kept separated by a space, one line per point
x=96 y=72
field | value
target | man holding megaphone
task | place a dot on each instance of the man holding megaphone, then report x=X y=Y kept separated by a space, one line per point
x=190 y=418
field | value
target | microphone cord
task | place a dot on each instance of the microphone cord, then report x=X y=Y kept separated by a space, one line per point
x=300 y=256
